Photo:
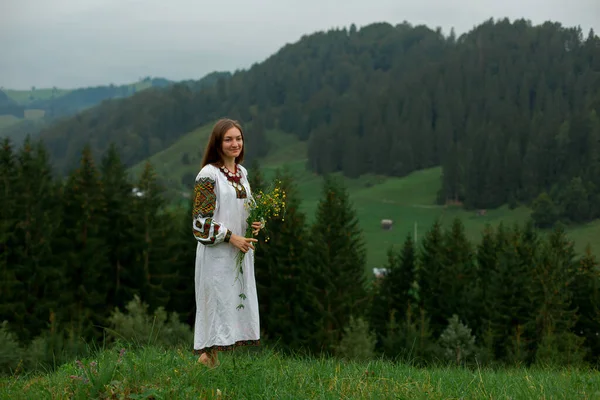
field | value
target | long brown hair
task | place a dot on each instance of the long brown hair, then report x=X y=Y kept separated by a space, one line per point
x=213 y=154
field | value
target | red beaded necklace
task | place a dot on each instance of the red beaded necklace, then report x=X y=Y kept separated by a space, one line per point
x=233 y=178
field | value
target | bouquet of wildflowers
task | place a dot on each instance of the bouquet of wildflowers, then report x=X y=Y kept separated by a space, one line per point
x=264 y=206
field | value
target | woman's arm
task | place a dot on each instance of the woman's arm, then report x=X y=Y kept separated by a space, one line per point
x=206 y=230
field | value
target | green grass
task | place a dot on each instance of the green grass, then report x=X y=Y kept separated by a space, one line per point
x=266 y=374
x=8 y=120
x=33 y=113
x=26 y=96
x=408 y=201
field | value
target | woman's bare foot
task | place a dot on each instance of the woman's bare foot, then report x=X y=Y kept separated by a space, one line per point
x=209 y=359
x=205 y=359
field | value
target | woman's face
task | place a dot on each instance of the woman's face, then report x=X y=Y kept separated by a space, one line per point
x=232 y=143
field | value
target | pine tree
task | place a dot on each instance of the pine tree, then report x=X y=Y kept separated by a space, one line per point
x=459 y=276
x=456 y=342
x=37 y=202
x=403 y=277
x=396 y=292
x=476 y=167
x=11 y=306
x=554 y=318
x=402 y=155
x=430 y=271
x=118 y=232
x=586 y=302
x=508 y=307
x=512 y=171
x=560 y=147
x=151 y=232
x=493 y=185
x=487 y=264
x=336 y=259
x=452 y=176
x=530 y=173
x=82 y=249
x=358 y=341
x=487 y=255
x=351 y=154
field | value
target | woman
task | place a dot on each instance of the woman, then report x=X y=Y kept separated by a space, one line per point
x=219 y=222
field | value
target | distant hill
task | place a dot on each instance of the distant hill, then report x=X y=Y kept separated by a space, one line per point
x=52 y=104
x=59 y=102
x=76 y=100
x=509 y=110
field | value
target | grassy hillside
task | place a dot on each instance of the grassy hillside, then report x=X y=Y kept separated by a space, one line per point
x=27 y=96
x=8 y=120
x=170 y=164
x=152 y=373
x=408 y=201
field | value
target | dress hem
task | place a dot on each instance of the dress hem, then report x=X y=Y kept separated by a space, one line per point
x=237 y=344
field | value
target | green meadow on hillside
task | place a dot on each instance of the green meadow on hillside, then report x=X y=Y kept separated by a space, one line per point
x=149 y=372
x=408 y=201
x=26 y=96
x=8 y=120
x=33 y=113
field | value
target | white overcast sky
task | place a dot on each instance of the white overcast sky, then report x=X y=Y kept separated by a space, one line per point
x=74 y=43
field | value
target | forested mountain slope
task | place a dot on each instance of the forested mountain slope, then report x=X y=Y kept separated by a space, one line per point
x=509 y=110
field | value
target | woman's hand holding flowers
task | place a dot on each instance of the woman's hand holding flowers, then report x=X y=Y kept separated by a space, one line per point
x=242 y=243
x=256 y=227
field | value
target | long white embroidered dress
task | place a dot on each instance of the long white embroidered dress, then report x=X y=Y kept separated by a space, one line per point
x=218 y=212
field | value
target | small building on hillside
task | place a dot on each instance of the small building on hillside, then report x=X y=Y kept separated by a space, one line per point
x=386 y=224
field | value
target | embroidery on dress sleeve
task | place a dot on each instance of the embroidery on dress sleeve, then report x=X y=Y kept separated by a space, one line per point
x=205 y=202
x=203 y=230
x=205 y=199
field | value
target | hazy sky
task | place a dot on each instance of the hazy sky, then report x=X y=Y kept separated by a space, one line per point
x=72 y=43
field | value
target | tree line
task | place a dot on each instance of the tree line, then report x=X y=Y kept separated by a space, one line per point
x=73 y=249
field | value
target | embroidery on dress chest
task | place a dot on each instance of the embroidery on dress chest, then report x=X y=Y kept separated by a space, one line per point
x=235 y=180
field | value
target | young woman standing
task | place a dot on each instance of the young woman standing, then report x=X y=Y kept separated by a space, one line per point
x=219 y=222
